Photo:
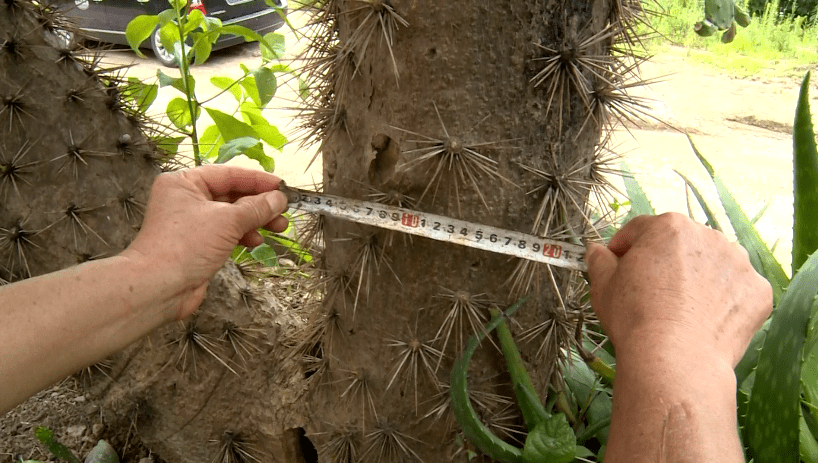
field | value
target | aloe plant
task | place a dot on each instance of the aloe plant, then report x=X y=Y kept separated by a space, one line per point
x=778 y=376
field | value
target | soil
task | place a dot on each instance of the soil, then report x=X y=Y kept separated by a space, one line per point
x=740 y=125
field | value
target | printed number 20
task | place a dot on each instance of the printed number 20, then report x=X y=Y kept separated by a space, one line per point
x=552 y=250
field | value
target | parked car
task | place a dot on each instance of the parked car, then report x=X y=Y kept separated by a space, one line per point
x=106 y=20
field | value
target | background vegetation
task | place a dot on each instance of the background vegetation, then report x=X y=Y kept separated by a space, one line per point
x=772 y=45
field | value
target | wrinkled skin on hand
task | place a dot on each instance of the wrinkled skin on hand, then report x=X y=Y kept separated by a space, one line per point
x=194 y=219
x=669 y=277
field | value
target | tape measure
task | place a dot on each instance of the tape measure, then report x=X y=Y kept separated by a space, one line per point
x=441 y=228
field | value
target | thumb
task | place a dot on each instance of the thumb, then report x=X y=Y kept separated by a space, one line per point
x=253 y=212
x=602 y=264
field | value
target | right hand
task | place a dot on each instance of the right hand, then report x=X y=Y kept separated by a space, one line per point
x=668 y=278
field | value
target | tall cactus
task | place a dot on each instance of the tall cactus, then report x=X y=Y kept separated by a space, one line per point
x=493 y=112
x=77 y=159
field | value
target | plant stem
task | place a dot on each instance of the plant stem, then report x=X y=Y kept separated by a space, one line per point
x=192 y=104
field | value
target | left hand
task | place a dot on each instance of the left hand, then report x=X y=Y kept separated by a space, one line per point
x=194 y=219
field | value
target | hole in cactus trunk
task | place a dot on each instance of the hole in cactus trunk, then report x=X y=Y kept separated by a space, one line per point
x=308 y=452
x=382 y=168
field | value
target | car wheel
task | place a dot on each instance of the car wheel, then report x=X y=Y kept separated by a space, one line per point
x=164 y=55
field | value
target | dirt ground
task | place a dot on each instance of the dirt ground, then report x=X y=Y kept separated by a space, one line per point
x=742 y=126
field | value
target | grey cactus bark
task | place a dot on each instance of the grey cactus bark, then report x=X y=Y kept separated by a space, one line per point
x=493 y=112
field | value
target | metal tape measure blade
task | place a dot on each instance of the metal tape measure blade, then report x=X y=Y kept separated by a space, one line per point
x=442 y=228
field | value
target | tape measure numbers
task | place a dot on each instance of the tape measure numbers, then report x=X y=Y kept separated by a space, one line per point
x=441 y=228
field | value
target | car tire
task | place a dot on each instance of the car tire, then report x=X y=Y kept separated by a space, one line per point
x=164 y=55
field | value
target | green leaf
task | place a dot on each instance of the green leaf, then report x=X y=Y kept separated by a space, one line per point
x=178 y=5
x=805 y=182
x=267 y=132
x=265 y=255
x=195 y=18
x=169 y=36
x=231 y=85
x=260 y=85
x=232 y=128
x=179 y=113
x=551 y=441
x=266 y=85
x=175 y=82
x=209 y=142
x=711 y=217
x=640 y=205
x=588 y=392
x=236 y=147
x=202 y=46
x=212 y=24
x=807 y=445
x=760 y=255
x=248 y=34
x=169 y=145
x=277 y=46
x=772 y=427
x=229 y=126
x=142 y=94
x=257 y=154
x=46 y=436
x=251 y=113
x=166 y=16
x=140 y=29
x=293 y=246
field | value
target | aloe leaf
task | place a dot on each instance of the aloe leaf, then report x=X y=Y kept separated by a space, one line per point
x=758 y=215
x=808 y=446
x=809 y=372
x=711 y=217
x=473 y=428
x=750 y=359
x=527 y=399
x=640 y=205
x=805 y=181
x=760 y=255
x=772 y=424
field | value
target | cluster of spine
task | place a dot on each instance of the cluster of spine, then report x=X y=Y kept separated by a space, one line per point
x=584 y=81
x=76 y=156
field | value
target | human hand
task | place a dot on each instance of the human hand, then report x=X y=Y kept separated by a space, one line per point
x=667 y=280
x=194 y=219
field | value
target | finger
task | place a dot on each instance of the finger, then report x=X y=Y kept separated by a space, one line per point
x=602 y=264
x=278 y=225
x=625 y=237
x=252 y=212
x=251 y=239
x=232 y=183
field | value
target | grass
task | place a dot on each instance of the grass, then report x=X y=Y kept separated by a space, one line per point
x=768 y=47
